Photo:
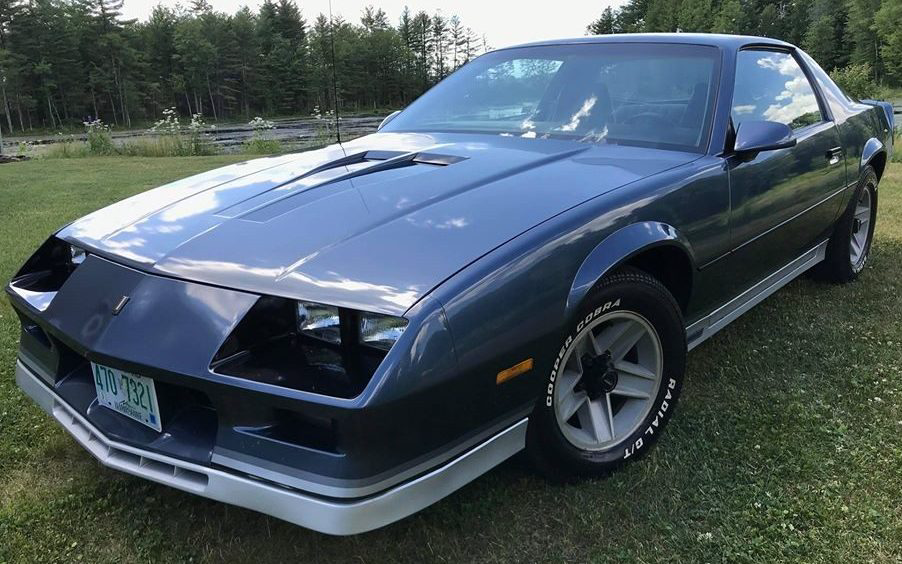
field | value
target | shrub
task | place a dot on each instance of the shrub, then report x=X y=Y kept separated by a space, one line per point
x=259 y=144
x=256 y=146
x=198 y=140
x=172 y=139
x=23 y=149
x=100 y=141
x=324 y=130
x=856 y=80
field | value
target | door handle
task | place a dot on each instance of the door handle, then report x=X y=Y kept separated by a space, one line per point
x=834 y=155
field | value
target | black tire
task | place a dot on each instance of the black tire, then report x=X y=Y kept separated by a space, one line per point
x=633 y=291
x=838 y=266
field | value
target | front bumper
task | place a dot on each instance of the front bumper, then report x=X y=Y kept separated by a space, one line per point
x=326 y=515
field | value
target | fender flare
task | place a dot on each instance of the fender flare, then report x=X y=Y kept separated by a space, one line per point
x=871 y=149
x=619 y=247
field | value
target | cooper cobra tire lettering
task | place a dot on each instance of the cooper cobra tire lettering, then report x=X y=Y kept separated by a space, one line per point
x=608 y=306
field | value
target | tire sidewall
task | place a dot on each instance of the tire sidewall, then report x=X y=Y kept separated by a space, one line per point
x=868 y=182
x=659 y=309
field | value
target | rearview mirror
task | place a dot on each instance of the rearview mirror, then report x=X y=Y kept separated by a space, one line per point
x=388 y=118
x=757 y=136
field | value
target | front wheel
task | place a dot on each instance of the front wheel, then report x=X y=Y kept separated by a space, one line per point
x=615 y=381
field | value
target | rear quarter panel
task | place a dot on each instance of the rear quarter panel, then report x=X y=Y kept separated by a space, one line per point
x=863 y=128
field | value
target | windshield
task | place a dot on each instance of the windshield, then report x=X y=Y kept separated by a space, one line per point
x=657 y=95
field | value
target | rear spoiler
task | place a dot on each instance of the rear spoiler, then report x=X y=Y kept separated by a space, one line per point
x=890 y=117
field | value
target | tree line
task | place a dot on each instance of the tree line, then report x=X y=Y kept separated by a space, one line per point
x=837 y=33
x=63 y=61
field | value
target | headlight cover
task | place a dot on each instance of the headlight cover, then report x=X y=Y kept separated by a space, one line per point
x=319 y=321
x=324 y=322
x=381 y=331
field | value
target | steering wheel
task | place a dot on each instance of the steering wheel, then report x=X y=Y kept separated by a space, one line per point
x=649 y=118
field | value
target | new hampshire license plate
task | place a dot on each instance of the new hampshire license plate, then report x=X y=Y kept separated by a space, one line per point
x=129 y=394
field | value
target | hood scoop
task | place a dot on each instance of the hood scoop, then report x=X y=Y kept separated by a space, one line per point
x=295 y=192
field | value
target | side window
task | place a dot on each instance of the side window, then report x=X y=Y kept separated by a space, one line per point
x=771 y=86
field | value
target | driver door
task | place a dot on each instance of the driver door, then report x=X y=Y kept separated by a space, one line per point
x=784 y=202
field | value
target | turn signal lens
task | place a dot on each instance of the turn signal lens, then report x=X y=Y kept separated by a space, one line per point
x=319 y=321
x=381 y=331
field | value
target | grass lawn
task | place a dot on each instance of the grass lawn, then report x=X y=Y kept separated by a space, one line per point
x=787 y=444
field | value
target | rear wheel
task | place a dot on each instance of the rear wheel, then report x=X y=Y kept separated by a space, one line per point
x=615 y=382
x=850 y=244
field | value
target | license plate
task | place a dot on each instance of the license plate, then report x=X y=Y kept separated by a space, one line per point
x=129 y=394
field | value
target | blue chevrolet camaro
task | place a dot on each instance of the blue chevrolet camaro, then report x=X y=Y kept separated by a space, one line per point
x=520 y=259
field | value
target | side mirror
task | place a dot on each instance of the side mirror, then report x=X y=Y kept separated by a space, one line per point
x=387 y=119
x=756 y=136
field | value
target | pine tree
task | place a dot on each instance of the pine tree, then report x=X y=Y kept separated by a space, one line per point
x=661 y=16
x=824 y=38
x=455 y=40
x=769 y=22
x=440 y=45
x=728 y=18
x=889 y=30
x=8 y=11
x=631 y=17
x=470 y=45
x=422 y=43
x=374 y=19
x=694 y=15
x=605 y=24
x=862 y=33
x=200 y=6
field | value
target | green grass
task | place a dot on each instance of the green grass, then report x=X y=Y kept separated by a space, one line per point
x=785 y=447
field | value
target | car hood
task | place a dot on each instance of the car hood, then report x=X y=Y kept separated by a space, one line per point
x=372 y=224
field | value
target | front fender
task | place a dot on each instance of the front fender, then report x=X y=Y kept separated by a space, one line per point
x=616 y=249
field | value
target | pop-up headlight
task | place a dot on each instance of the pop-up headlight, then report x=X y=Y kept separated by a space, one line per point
x=319 y=321
x=308 y=346
x=44 y=274
x=381 y=331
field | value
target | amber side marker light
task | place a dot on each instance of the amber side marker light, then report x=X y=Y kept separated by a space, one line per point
x=514 y=371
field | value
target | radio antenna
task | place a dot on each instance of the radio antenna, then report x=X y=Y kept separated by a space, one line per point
x=334 y=72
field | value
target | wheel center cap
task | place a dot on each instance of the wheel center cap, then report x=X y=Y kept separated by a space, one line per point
x=600 y=377
x=856 y=225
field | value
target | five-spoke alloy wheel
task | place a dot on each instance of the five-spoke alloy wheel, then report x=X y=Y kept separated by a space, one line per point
x=610 y=378
x=615 y=380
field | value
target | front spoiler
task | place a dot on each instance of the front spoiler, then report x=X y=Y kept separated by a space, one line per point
x=336 y=517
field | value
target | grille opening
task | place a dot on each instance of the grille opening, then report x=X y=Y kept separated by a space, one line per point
x=35 y=331
x=54 y=359
x=266 y=347
x=304 y=363
x=298 y=429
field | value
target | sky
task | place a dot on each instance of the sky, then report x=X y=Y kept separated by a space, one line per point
x=504 y=22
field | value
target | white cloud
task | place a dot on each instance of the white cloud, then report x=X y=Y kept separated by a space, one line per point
x=797 y=98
